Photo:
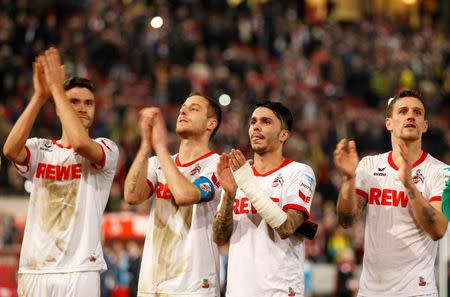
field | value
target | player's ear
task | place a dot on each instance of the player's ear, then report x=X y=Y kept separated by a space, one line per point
x=388 y=124
x=212 y=124
x=425 y=129
x=284 y=135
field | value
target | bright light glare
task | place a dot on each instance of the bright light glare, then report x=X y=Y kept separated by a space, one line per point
x=156 y=22
x=224 y=99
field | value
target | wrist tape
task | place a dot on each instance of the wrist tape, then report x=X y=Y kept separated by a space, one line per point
x=267 y=209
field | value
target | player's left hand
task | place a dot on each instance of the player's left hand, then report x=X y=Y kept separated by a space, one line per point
x=404 y=166
x=237 y=159
x=226 y=177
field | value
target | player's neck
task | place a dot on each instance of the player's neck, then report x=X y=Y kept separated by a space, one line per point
x=268 y=161
x=414 y=150
x=191 y=149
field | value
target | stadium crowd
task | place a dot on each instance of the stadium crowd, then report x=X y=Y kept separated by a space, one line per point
x=336 y=78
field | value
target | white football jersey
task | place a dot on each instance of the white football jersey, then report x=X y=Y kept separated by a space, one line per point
x=398 y=256
x=68 y=197
x=180 y=257
x=260 y=263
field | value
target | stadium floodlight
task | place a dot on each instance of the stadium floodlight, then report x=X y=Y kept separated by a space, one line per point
x=157 y=22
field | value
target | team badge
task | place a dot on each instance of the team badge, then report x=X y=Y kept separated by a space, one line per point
x=422 y=281
x=277 y=181
x=418 y=177
x=205 y=187
x=205 y=284
x=196 y=169
x=291 y=292
x=92 y=258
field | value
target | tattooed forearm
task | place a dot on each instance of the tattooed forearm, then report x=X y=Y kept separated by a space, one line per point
x=223 y=222
x=411 y=194
x=429 y=213
x=294 y=219
x=134 y=180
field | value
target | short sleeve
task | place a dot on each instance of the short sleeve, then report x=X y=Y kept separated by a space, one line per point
x=440 y=176
x=152 y=176
x=208 y=174
x=32 y=149
x=362 y=179
x=300 y=191
x=110 y=155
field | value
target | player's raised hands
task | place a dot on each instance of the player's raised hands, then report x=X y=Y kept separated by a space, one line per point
x=159 y=132
x=237 y=159
x=225 y=176
x=346 y=158
x=146 y=116
x=53 y=69
x=404 y=166
x=41 y=91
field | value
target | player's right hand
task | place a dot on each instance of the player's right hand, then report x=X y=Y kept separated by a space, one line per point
x=346 y=158
x=53 y=69
x=41 y=91
x=225 y=176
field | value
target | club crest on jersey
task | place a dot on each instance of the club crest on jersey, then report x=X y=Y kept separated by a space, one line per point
x=277 y=181
x=205 y=284
x=195 y=170
x=205 y=187
x=418 y=177
x=92 y=258
x=422 y=281
x=291 y=292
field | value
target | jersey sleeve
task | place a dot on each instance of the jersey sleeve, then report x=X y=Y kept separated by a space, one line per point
x=110 y=155
x=362 y=179
x=207 y=183
x=152 y=176
x=440 y=176
x=32 y=159
x=300 y=190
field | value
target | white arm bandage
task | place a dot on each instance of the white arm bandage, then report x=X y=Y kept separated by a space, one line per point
x=267 y=209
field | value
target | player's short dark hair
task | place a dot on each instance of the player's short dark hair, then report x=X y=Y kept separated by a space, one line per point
x=282 y=112
x=214 y=109
x=402 y=94
x=78 y=82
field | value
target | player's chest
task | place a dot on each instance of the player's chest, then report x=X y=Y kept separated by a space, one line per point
x=59 y=165
x=387 y=190
x=273 y=186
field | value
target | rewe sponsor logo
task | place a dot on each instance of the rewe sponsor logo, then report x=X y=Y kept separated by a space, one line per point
x=243 y=206
x=58 y=172
x=388 y=197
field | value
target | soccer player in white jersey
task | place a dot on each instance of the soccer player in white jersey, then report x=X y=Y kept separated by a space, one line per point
x=61 y=251
x=179 y=258
x=401 y=192
x=261 y=208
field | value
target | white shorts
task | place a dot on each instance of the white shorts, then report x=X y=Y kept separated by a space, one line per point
x=73 y=284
